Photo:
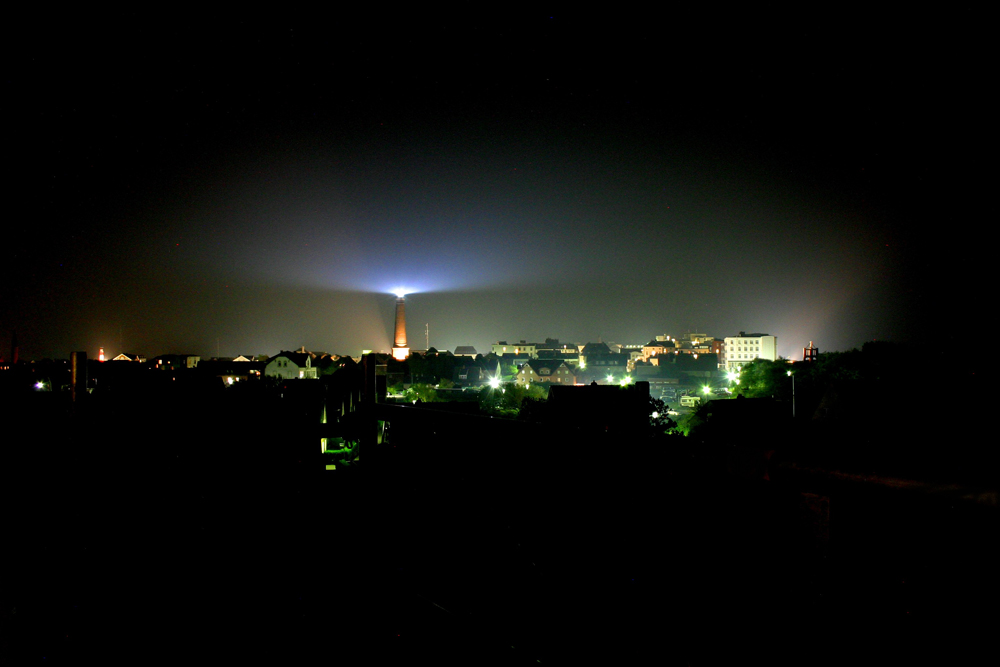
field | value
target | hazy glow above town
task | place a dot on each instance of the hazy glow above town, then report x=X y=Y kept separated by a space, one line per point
x=543 y=195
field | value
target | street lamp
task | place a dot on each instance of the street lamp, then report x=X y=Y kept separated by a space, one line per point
x=792 y=375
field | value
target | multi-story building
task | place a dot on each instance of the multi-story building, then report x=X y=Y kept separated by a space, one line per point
x=173 y=362
x=503 y=347
x=657 y=348
x=553 y=349
x=695 y=338
x=743 y=349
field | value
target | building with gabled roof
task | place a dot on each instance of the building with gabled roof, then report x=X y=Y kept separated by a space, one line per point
x=657 y=348
x=468 y=376
x=546 y=370
x=595 y=348
x=291 y=366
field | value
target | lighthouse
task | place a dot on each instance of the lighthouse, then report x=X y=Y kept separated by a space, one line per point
x=399 y=349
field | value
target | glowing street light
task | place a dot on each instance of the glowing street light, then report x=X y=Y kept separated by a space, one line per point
x=706 y=389
x=494 y=382
x=791 y=375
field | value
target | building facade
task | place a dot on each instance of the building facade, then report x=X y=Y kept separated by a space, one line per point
x=503 y=347
x=742 y=349
x=291 y=366
x=546 y=370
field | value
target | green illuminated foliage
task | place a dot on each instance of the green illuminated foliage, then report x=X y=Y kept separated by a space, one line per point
x=506 y=400
x=660 y=422
x=424 y=393
x=763 y=378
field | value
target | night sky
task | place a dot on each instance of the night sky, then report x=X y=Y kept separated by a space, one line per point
x=221 y=187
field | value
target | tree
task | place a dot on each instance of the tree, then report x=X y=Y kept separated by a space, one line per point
x=762 y=378
x=660 y=423
x=692 y=422
x=424 y=393
x=506 y=400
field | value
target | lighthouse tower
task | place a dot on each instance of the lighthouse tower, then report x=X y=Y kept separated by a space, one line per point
x=399 y=349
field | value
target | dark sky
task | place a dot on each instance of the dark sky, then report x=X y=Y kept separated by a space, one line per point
x=245 y=188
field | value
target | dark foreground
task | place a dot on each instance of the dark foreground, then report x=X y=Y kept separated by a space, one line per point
x=127 y=542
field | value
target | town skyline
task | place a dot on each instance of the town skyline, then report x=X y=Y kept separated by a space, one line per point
x=417 y=343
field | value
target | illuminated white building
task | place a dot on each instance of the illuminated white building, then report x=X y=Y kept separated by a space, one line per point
x=742 y=349
x=503 y=347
